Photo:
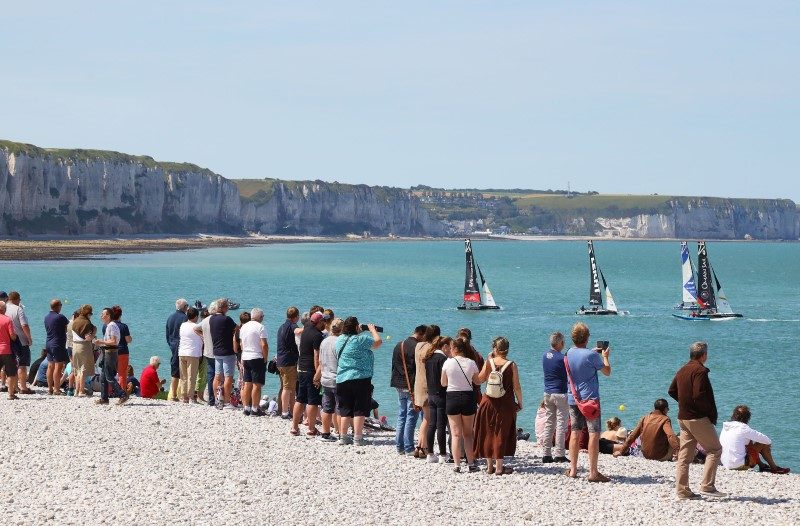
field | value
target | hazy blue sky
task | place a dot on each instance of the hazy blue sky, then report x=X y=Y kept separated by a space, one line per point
x=618 y=97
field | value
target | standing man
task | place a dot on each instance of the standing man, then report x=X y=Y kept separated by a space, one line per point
x=174 y=323
x=16 y=312
x=208 y=352
x=55 y=324
x=8 y=363
x=697 y=416
x=403 y=375
x=255 y=352
x=309 y=374
x=286 y=360
x=223 y=330
x=583 y=366
x=555 y=399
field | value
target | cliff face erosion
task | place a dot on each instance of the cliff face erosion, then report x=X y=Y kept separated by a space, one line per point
x=76 y=192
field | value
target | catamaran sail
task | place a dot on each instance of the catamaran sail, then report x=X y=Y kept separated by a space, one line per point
x=596 y=292
x=689 y=288
x=723 y=306
x=472 y=293
x=705 y=297
x=711 y=299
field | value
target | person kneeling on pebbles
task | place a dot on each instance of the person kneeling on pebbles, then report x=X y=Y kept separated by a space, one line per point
x=742 y=445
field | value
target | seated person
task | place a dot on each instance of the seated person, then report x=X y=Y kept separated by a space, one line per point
x=149 y=384
x=133 y=382
x=611 y=439
x=35 y=375
x=658 y=440
x=742 y=445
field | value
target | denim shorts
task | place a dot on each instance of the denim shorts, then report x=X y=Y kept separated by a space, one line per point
x=328 y=400
x=224 y=365
x=579 y=422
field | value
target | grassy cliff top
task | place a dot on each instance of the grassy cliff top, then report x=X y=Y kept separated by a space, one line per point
x=260 y=191
x=80 y=155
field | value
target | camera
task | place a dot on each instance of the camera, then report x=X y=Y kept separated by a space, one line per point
x=602 y=345
x=364 y=327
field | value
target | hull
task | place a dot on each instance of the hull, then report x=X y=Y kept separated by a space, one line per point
x=708 y=317
x=478 y=307
x=598 y=312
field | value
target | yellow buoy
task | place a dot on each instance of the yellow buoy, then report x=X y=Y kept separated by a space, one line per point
x=622 y=407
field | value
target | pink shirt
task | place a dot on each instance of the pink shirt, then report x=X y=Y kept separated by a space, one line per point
x=6 y=332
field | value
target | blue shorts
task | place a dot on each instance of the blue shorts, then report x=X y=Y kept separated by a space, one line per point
x=329 y=400
x=307 y=394
x=57 y=354
x=224 y=365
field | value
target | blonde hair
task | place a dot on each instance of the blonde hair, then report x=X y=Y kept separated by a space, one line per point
x=500 y=346
x=336 y=326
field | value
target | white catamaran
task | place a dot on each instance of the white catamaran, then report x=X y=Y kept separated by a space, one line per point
x=472 y=294
x=595 y=295
x=709 y=298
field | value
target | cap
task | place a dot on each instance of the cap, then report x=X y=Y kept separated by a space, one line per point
x=317 y=317
x=3 y=295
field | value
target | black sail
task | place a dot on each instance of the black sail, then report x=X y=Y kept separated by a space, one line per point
x=705 y=284
x=471 y=292
x=595 y=297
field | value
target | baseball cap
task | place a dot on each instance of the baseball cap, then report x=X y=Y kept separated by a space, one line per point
x=3 y=295
x=318 y=316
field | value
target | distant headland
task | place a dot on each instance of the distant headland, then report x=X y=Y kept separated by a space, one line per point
x=61 y=192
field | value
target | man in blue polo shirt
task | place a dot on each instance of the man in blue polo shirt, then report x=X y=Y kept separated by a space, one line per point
x=555 y=399
x=55 y=324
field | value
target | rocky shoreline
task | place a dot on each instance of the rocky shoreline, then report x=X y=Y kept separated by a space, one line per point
x=151 y=462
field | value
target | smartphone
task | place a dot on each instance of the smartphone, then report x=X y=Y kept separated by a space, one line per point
x=602 y=345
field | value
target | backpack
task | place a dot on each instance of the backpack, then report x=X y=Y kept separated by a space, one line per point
x=494 y=384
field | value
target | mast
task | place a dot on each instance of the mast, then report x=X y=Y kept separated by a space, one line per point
x=595 y=297
x=706 y=297
x=471 y=292
x=689 y=288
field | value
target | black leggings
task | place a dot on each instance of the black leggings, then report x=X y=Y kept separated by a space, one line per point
x=437 y=423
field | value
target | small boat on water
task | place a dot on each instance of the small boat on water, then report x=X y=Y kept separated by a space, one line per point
x=712 y=303
x=199 y=305
x=596 y=306
x=472 y=294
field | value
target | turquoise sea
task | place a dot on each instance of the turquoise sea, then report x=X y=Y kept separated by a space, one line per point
x=539 y=285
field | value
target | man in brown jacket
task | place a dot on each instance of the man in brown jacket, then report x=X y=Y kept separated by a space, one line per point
x=658 y=440
x=697 y=416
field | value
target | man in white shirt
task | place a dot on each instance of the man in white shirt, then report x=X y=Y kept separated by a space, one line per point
x=16 y=312
x=190 y=352
x=255 y=351
x=742 y=445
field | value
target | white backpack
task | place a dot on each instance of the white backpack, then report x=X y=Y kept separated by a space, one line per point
x=494 y=384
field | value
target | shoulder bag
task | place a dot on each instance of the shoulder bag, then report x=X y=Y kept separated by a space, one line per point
x=589 y=408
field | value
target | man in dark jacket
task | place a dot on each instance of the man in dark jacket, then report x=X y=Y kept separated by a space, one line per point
x=403 y=374
x=697 y=416
x=173 y=339
x=286 y=360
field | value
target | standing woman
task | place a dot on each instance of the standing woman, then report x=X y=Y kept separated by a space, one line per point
x=82 y=350
x=123 y=353
x=459 y=376
x=496 y=421
x=354 y=351
x=421 y=388
x=437 y=354
x=473 y=355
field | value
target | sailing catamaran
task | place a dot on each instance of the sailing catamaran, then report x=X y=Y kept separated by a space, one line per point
x=595 y=296
x=472 y=295
x=689 y=289
x=711 y=305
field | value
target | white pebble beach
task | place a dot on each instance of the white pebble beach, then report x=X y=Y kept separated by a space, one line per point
x=68 y=461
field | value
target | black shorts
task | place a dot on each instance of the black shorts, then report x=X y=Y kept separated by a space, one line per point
x=57 y=354
x=307 y=394
x=460 y=403
x=8 y=363
x=255 y=371
x=175 y=364
x=606 y=446
x=23 y=355
x=328 y=400
x=354 y=397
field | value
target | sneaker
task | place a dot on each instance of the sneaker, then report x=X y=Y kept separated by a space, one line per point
x=690 y=496
x=473 y=468
x=401 y=452
x=361 y=441
x=433 y=459
x=3 y=389
x=246 y=412
x=286 y=416
x=327 y=437
x=442 y=459
x=345 y=441
x=713 y=494
x=258 y=412
x=101 y=402
x=547 y=459
x=450 y=459
x=559 y=459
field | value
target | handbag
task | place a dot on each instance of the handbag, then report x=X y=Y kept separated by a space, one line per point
x=590 y=409
x=272 y=366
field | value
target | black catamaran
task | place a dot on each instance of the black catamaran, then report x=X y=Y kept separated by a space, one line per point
x=472 y=294
x=596 y=306
x=712 y=304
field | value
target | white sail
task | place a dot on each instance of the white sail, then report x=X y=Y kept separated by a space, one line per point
x=689 y=288
x=610 y=304
x=488 y=299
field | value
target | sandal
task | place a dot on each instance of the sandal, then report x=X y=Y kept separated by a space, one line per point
x=420 y=452
x=600 y=478
x=295 y=432
x=313 y=433
x=570 y=476
x=507 y=470
x=490 y=470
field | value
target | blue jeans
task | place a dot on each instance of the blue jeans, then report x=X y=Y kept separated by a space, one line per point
x=109 y=375
x=406 y=422
x=210 y=376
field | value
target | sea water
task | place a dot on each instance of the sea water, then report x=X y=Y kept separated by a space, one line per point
x=539 y=285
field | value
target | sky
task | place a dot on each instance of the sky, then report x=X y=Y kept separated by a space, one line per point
x=684 y=98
